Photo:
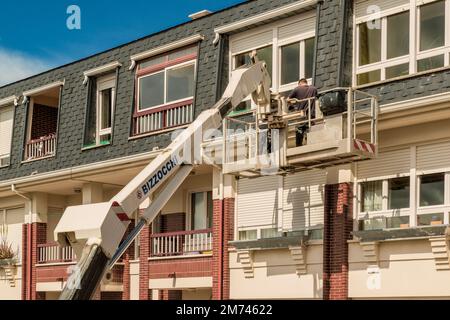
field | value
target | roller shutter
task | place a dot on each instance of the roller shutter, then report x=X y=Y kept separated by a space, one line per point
x=361 y=6
x=388 y=163
x=433 y=156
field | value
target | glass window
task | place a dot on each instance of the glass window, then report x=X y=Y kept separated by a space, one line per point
x=430 y=219
x=248 y=235
x=432 y=25
x=309 y=57
x=369 y=77
x=371 y=196
x=369 y=44
x=430 y=63
x=264 y=54
x=151 y=90
x=432 y=189
x=201 y=210
x=397 y=71
x=290 y=63
x=397 y=222
x=180 y=83
x=270 y=233
x=398 y=35
x=399 y=193
x=105 y=108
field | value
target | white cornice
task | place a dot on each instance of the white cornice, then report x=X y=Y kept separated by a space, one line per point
x=102 y=69
x=49 y=86
x=262 y=17
x=165 y=48
x=8 y=101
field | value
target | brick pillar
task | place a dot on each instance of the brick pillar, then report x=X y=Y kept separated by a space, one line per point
x=144 y=253
x=24 y=261
x=222 y=230
x=126 y=277
x=38 y=236
x=338 y=227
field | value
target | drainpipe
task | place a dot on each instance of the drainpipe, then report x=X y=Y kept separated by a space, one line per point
x=316 y=42
x=343 y=21
x=28 y=258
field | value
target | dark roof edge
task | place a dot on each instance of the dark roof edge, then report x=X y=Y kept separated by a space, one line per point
x=126 y=44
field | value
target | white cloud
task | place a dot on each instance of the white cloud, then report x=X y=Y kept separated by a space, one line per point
x=15 y=65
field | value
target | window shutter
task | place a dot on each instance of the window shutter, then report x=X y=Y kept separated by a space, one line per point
x=257 y=201
x=388 y=163
x=361 y=6
x=293 y=29
x=303 y=200
x=433 y=156
x=252 y=41
x=6 y=126
x=14 y=221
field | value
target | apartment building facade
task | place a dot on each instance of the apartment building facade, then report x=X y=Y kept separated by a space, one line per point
x=373 y=229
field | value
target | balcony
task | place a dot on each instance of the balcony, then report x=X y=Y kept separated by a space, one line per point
x=53 y=253
x=40 y=148
x=181 y=243
x=162 y=118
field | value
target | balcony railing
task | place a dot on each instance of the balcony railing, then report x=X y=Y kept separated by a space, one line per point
x=40 y=148
x=166 y=117
x=181 y=243
x=53 y=253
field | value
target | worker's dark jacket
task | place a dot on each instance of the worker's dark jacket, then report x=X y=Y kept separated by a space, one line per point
x=304 y=92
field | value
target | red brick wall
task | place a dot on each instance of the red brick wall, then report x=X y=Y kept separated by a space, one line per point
x=24 y=260
x=223 y=224
x=180 y=268
x=44 y=121
x=338 y=227
x=52 y=273
x=144 y=251
x=38 y=236
x=170 y=295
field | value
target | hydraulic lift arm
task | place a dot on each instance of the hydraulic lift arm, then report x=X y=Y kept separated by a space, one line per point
x=96 y=230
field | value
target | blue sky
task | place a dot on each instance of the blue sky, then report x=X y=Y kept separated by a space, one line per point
x=34 y=36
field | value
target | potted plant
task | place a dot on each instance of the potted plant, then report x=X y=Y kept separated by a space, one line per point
x=7 y=254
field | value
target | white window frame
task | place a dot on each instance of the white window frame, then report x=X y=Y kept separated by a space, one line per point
x=177 y=66
x=415 y=209
x=104 y=83
x=205 y=191
x=414 y=37
x=276 y=52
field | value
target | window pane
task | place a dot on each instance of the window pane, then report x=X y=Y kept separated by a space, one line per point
x=241 y=59
x=369 y=77
x=397 y=71
x=430 y=63
x=432 y=25
x=265 y=54
x=106 y=100
x=247 y=235
x=398 y=35
x=432 y=189
x=151 y=90
x=430 y=219
x=198 y=211
x=369 y=44
x=290 y=63
x=399 y=193
x=270 y=233
x=371 y=196
x=180 y=83
x=241 y=107
x=397 y=222
x=309 y=57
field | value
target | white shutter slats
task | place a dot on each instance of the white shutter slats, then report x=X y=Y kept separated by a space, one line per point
x=433 y=156
x=389 y=163
x=293 y=29
x=257 y=201
x=6 y=125
x=303 y=197
x=252 y=41
x=364 y=7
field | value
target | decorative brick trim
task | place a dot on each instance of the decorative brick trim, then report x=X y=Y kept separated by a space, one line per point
x=222 y=233
x=180 y=268
x=298 y=255
x=440 y=249
x=24 y=261
x=144 y=252
x=245 y=258
x=338 y=227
